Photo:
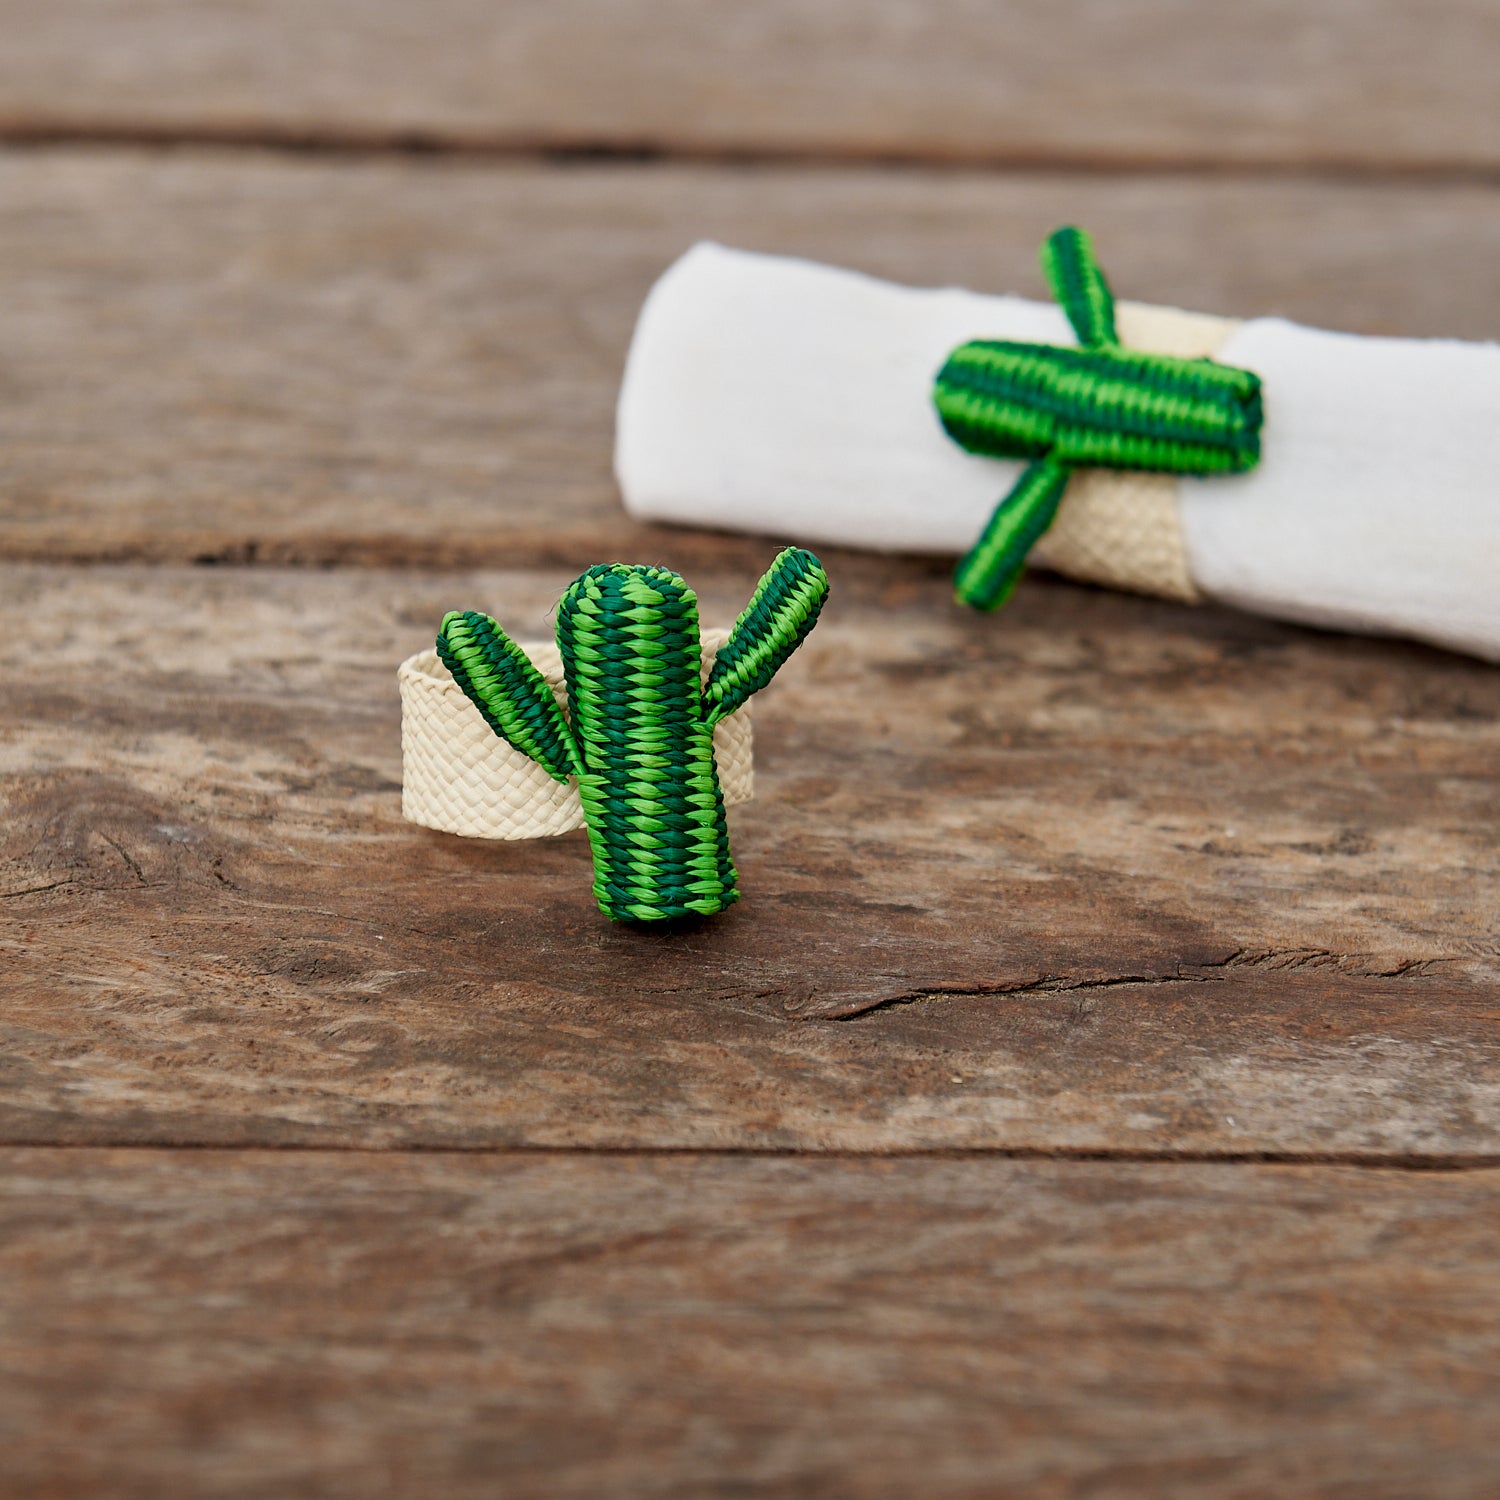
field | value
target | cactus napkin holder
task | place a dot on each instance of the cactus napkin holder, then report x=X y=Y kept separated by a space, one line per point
x=633 y=726
x=1101 y=405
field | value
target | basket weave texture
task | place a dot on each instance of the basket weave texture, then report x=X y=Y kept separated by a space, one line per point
x=459 y=776
x=1122 y=528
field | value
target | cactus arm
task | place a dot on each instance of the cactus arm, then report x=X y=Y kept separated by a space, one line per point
x=1073 y=273
x=987 y=575
x=511 y=695
x=781 y=611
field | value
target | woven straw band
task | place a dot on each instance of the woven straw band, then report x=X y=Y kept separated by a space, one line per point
x=1121 y=527
x=459 y=776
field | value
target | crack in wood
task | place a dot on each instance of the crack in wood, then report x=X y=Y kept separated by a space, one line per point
x=1051 y=984
x=1285 y=959
x=1356 y=964
x=34 y=890
x=125 y=854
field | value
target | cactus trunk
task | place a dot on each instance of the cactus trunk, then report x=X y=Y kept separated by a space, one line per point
x=1106 y=408
x=651 y=798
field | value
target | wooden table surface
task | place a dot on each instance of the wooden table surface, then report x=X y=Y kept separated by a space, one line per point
x=1097 y=1090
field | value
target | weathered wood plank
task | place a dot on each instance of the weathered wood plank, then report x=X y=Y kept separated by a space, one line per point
x=1179 y=880
x=274 y=1324
x=1405 y=83
x=316 y=362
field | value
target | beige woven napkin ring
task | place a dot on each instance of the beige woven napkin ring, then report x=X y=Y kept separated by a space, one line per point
x=459 y=776
x=1122 y=528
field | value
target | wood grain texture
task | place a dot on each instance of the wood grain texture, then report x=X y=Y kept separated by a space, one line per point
x=1105 y=875
x=297 y=1324
x=1385 y=83
x=1105 y=879
x=256 y=358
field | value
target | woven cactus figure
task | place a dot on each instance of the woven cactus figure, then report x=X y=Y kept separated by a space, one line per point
x=1100 y=406
x=639 y=732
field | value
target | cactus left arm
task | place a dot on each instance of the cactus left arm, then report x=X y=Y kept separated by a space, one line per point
x=988 y=573
x=781 y=611
x=511 y=695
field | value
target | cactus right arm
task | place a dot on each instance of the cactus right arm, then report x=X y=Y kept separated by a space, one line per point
x=781 y=611
x=503 y=684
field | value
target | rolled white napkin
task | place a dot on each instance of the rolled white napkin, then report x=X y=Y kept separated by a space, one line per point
x=766 y=394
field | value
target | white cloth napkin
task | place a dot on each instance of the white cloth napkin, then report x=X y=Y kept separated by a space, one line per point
x=773 y=395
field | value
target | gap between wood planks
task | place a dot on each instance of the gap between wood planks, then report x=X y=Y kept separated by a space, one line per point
x=364 y=143
x=1061 y=1155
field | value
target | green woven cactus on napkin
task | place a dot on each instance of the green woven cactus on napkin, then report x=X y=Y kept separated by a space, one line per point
x=1100 y=406
x=639 y=731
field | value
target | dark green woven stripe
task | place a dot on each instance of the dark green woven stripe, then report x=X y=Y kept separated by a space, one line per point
x=987 y=575
x=1100 y=406
x=1079 y=286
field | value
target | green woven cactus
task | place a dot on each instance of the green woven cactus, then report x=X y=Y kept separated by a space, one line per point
x=639 y=730
x=1101 y=406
